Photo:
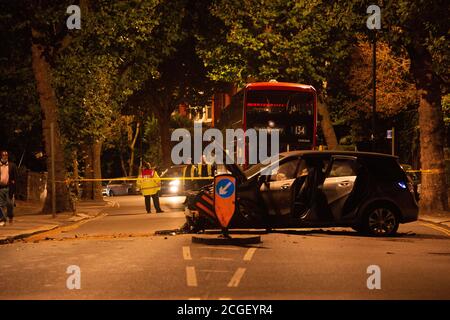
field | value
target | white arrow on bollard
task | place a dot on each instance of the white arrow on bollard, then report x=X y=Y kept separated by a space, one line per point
x=223 y=190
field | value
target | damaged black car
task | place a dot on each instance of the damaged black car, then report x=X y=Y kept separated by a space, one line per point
x=368 y=192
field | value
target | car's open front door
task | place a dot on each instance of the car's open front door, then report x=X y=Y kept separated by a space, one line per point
x=276 y=190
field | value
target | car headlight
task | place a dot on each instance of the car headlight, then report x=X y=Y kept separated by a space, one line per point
x=174 y=183
x=173 y=189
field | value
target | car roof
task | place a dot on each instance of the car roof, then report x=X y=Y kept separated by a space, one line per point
x=358 y=154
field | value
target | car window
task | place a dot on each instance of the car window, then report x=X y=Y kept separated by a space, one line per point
x=386 y=169
x=302 y=169
x=257 y=168
x=316 y=162
x=285 y=171
x=343 y=168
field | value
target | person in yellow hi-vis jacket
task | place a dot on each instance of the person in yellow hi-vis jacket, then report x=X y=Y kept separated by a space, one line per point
x=150 y=184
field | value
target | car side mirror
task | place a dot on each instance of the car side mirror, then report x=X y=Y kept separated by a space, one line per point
x=262 y=179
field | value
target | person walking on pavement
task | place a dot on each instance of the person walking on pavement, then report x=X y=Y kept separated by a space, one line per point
x=8 y=179
x=150 y=184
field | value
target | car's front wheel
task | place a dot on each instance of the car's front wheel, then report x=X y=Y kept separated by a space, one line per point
x=380 y=221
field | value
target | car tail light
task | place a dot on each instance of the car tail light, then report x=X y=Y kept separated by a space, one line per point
x=402 y=184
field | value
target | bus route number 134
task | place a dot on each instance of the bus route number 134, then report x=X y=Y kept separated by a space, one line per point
x=300 y=130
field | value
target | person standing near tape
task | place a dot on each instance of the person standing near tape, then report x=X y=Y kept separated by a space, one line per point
x=205 y=170
x=150 y=185
x=189 y=172
x=8 y=178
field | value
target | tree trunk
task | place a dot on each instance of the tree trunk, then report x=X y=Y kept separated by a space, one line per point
x=76 y=174
x=47 y=98
x=132 y=148
x=122 y=164
x=88 y=188
x=164 y=130
x=97 y=170
x=327 y=126
x=433 y=194
x=92 y=190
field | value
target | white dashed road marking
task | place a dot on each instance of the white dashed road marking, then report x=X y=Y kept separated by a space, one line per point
x=234 y=282
x=249 y=254
x=219 y=248
x=191 y=277
x=213 y=271
x=216 y=258
x=187 y=253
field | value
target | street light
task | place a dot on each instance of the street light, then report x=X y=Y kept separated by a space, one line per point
x=374 y=23
x=374 y=86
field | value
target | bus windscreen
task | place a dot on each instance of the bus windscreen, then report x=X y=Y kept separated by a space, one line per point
x=291 y=112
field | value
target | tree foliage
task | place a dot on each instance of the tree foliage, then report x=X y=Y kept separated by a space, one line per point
x=106 y=61
x=395 y=88
x=20 y=125
x=181 y=75
x=299 y=41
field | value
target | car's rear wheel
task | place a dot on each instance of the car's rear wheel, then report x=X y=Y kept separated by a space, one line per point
x=380 y=221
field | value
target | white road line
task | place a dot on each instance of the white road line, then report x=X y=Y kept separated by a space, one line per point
x=216 y=258
x=432 y=226
x=191 y=277
x=187 y=253
x=249 y=254
x=220 y=248
x=195 y=298
x=213 y=271
x=224 y=298
x=234 y=282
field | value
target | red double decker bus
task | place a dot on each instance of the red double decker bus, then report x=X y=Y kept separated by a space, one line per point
x=289 y=107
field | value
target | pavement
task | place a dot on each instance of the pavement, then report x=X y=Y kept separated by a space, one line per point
x=28 y=220
x=119 y=256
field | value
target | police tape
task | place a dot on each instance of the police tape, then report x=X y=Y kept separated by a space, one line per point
x=426 y=171
x=68 y=181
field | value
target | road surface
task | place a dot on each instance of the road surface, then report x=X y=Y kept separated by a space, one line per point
x=119 y=258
